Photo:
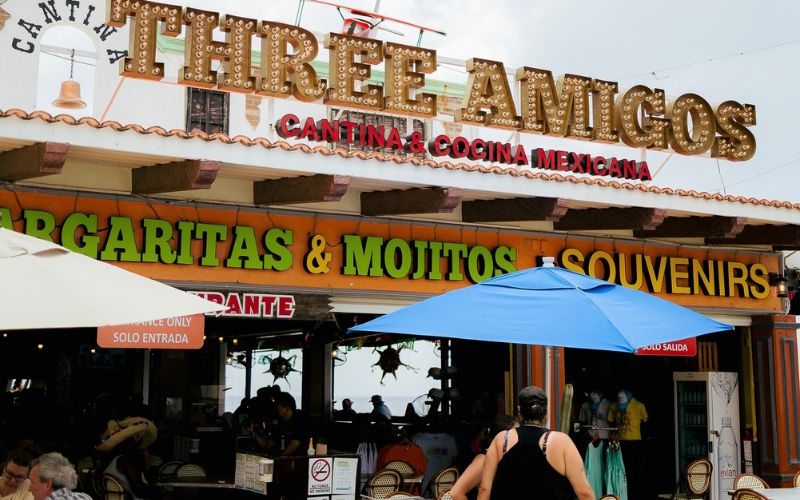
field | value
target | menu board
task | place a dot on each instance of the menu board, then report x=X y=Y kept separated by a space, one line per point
x=248 y=473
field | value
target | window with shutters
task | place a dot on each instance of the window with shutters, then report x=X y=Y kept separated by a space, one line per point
x=207 y=110
x=388 y=122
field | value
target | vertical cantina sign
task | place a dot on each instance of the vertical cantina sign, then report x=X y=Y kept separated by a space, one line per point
x=575 y=106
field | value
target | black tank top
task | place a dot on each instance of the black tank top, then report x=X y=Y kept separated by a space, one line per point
x=524 y=472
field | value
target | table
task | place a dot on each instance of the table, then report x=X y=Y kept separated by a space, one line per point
x=197 y=482
x=778 y=493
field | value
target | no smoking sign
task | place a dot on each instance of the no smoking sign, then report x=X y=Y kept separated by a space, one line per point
x=319 y=476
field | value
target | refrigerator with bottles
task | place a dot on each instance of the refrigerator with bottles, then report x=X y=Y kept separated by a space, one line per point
x=707 y=425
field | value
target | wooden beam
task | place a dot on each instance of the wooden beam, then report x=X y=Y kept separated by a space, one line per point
x=514 y=209
x=696 y=227
x=611 y=218
x=37 y=160
x=411 y=201
x=308 y=189
x=767 y=234
x=176 y=176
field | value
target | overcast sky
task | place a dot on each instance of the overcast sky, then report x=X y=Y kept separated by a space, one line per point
x=745 y=51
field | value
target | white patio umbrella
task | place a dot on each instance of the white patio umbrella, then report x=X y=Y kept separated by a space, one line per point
x=44 y=285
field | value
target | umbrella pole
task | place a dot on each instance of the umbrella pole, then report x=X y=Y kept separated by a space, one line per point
x=445 y=379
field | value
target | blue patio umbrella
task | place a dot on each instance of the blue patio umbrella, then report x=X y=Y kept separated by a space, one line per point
x=548 y=306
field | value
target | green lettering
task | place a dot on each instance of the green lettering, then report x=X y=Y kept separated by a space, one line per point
x=120 y=239
x=5 y=219
x=244 y=249
x=156 y=236
x=420 y=246
x=435 y=272
x=210 y=234
x=397 y=258
x=89 y=241
x=504 y=258
x=185 y=232
x=480 y=265
x=39 y=224
x=456 y=252
x=360 y=258
x=278 y=256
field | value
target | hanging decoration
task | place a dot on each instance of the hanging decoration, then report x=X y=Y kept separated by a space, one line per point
x=279 y=367
x=389 y=361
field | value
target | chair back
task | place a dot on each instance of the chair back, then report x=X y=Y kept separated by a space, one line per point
x=190 y=470
x=747 y=494
x=609 y=497
x=445 y=496
x=443 y=480
x=169 y=468
x=114 y=489
x=154 y=461
x=384 y=483
x=401 y=466
x=400 y=494
x=796 y=480
x=698 y=476
x=750 y=481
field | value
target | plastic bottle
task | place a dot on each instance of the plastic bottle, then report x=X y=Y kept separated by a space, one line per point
x=311 y=450
x=727 y=456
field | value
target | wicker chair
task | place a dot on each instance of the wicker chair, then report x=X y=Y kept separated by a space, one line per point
x=609 y=497
x=747 y=494
x=400 y=494
x=749 y=481
x=168 y=469
x=403 y=467
x=114 y=489
x=384 y=483
x=190 y=471
x=695 y=481
x=446 y=496
x=796 y=480
x=154 y=461
x=443 y=480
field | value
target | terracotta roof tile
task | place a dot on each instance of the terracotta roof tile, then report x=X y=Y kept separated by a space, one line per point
x=326 y=151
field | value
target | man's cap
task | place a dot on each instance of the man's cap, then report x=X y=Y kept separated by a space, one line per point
x=532 y=394
x=376 y=398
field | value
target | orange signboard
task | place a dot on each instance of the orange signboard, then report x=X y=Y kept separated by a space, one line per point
x=182 y=332
x=275 y=250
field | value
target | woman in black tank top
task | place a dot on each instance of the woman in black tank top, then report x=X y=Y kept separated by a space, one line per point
x=522 y=470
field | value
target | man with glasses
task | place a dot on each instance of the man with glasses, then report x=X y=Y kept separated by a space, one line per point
x=14 y=482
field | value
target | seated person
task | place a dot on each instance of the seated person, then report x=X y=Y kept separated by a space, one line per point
x=54 y=477
x=347 y=412
x=128 y=439
x=14 y=484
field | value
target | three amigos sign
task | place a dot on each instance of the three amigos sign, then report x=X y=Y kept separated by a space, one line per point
x=579 y=107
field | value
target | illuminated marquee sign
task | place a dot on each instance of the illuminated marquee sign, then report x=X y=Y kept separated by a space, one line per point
x=576 y=106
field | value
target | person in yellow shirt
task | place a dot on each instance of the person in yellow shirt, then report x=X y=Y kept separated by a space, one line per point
x=628 y=413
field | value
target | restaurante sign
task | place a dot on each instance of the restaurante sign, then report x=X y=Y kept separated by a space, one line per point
x=578 y=107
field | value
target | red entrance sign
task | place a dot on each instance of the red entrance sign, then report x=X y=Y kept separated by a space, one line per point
x=182 y=332
x=687 y=347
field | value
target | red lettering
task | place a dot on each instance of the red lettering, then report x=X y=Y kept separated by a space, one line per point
x=477 y=150
x=520 y=156
x=613 y=168
x=394 y=141
x=644 y=172
x=597 y=162
x=285 y=307
x=269 y=305
x=252 y=303
x=233 y=304
x=439 y=146
x=629 y=169
x=562 y=160
x=376 y=137
x=348 y=128
x=460 y=148
x=545 y=159
x=309 y=130
x=578 y=162
x=287 y=126
x=328 y=130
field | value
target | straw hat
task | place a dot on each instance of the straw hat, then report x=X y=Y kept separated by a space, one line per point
x=139 y=429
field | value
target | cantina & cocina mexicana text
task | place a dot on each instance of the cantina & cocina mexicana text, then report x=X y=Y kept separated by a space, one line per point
x=576 y=106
